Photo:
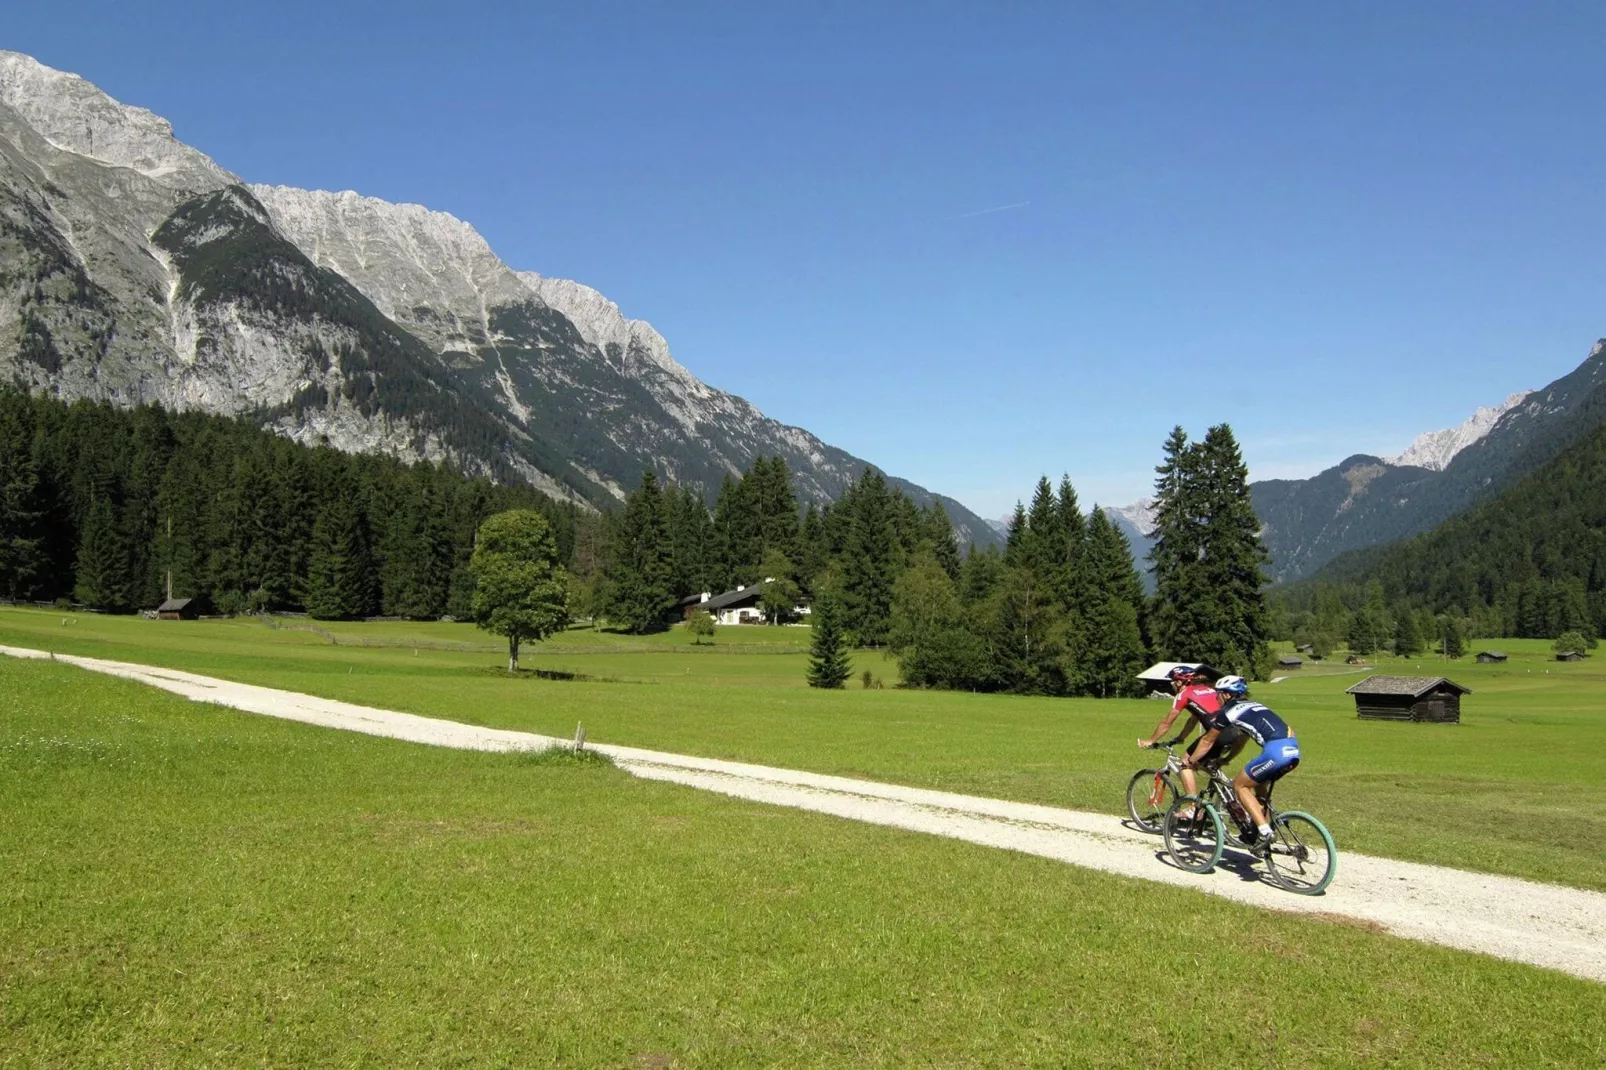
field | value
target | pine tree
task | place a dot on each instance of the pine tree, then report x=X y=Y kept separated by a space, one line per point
x=775 y=503
x=22 y=530
x=641 y=591
x=103 y=568
x=1407 y=635
x=868 y=563
x=340 y=573
x=829 y=665
x=937 y=538
x=1108 y=652
x=1075 y=536
x=1232 y=556
x=1175 y=554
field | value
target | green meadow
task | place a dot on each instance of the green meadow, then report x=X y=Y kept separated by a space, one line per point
x=190 y=886
x=1513 y=789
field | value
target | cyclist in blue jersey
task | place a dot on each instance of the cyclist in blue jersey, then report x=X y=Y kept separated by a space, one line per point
x=1279 y=750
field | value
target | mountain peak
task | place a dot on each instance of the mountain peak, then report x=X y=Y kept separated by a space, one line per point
x=75 y=116
x=1434 y=450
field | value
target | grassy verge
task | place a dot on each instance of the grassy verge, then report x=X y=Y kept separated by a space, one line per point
x=192 y=886
x=1513 y=789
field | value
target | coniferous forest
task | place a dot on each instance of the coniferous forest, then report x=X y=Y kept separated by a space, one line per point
x=109 y=508
x=101 y=506
x=1529 y=563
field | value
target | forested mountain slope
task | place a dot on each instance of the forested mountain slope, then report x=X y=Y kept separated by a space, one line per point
x=133 y=268
x=1366 y=501
x=1530 y=561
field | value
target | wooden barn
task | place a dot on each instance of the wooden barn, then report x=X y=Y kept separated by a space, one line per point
x=1408 y=698
x=1569 y=655
x=179 y=609
x=1491 y=657
x=1290 y=662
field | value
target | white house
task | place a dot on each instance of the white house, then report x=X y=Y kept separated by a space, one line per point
x=733 y=607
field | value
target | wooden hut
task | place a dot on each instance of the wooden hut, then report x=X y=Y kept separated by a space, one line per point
x=1491 y=657
x=1288 y=661
x=179 y=609
x=1305 y=648
x=1408 y=698
x=1569 y=655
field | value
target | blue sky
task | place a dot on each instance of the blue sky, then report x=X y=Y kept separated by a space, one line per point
x=1333 y=225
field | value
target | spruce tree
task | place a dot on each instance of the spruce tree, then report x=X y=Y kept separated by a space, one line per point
x=937 y=538
x=103 y=566
x=1174 y=556
x=641 y=576
x=1407 y=635
x=1075 y=536
x=1108 y=652
x=1232 y=557
x=340 y=573
x=869 y=560
x=829 y=665
x=21 y=508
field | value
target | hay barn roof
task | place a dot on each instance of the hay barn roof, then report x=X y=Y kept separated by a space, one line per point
x=1412 y=686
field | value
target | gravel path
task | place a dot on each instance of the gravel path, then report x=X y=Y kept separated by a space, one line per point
x=1541 y=924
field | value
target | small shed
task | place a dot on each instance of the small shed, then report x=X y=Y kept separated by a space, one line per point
x=1569 y=655
x=1491 y=657
x=1289 y=661
x=1408 y=698
x=1305 y=648
x=179 y=609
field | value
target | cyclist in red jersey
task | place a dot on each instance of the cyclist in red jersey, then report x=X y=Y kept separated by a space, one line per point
x=1201 y=702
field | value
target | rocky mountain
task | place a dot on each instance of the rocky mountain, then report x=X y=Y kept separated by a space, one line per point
x=135 y=269
x=1436 y=449
x=1367 y=501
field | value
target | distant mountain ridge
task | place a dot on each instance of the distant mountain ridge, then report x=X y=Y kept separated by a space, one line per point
x=133 y=268
x=1366 y=500
x=1436 y=449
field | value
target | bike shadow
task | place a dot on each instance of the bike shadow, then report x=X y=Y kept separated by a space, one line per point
x=1235 y=860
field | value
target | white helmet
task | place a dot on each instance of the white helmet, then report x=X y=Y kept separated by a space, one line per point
x=1232 y=685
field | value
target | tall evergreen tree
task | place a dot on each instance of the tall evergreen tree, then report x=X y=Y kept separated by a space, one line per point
x=641 y=577
x=1108 y=650
x=1232 y=557
x=340 y=573
x=1075 y=536
x=869 y=561
x=103 y=560
x=937 y=539
x=22 y=529
x=1181 y=587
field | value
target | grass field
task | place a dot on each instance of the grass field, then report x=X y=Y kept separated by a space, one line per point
x=1513 y=789
x=189 y=886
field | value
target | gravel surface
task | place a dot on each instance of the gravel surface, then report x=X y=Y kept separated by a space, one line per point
x=1525 y=921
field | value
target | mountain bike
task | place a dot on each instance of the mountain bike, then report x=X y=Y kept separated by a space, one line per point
x=1150 y=792
x=1302 y=858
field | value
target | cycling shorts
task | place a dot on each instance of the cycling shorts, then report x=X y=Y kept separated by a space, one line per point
x=1225 y=748
x=1275 y=759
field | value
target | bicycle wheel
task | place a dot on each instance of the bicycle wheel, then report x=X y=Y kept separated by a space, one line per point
x=1194 y=843
x=1302 y=859
x=1149 y=794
